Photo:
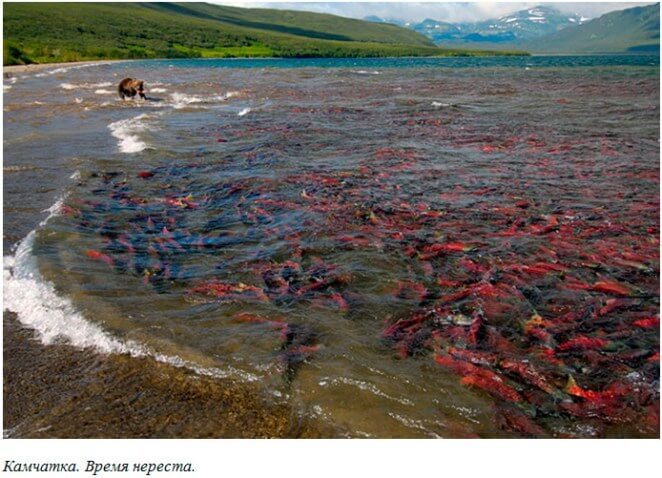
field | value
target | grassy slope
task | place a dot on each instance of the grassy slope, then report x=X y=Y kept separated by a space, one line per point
x=307 y=24
x=634 y=29
x=54 y=32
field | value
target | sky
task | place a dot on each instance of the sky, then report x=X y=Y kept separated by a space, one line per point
x=444 y=11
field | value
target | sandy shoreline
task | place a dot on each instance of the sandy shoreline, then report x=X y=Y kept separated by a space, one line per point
x=59 y=391
x=35 y=67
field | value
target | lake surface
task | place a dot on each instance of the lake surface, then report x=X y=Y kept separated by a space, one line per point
x=399 y=247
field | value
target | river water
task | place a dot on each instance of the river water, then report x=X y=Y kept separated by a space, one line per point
x=397 y=247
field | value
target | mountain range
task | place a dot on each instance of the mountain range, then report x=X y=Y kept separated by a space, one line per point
x=635 y=30
x=547 y=30
x=521 y=25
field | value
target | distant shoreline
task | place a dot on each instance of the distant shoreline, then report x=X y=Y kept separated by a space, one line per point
x=33 y=67
x=40 y=66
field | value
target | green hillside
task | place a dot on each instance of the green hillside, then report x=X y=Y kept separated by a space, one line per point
x=60 y=32
x=307 y=24
x=632 y=30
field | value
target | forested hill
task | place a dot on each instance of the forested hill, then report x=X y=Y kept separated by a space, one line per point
x=53 y=32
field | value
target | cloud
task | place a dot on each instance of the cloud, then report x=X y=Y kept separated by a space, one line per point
x=444 y=11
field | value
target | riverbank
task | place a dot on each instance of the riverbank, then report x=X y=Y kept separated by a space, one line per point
x=37 y=67
x=59 y=391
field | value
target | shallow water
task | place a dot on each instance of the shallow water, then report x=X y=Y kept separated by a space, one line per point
x=394 y=246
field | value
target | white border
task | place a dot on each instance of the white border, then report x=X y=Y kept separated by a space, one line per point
x=361 y=458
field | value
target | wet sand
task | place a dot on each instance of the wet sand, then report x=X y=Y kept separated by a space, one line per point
x=59 y=391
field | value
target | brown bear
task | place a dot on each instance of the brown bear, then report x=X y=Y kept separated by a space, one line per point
x=129 y=87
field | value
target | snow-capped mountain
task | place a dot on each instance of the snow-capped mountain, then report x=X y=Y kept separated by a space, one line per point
x=530 y=23
x=633 y=30
x=518 y=26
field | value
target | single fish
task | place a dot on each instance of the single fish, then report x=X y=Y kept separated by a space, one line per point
x=99 y=256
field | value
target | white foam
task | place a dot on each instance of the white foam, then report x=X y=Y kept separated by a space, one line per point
x=54 y=318
x=103 y=92
x=244 y=112
x=182 y=100
x=158 y=90
x=125 y=131
x=74 y=86
x=438 y=104
x=74 y=67
x=411 y=423
x=38 y=306
x=54 y=210
x=365 y=386
x=364 y=72
x=214 y=372
x=10 y=82
x=78 y=100
x=63 y=69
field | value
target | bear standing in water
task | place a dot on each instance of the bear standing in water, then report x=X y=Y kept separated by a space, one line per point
x=130 y=87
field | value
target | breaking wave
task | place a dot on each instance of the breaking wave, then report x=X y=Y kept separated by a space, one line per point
x=125 y=131
x=39 y=307
x=54 y=318
x=182 y=100
x=74 y=86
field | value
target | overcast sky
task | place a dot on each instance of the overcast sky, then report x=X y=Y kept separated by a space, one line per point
x=445 y=11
